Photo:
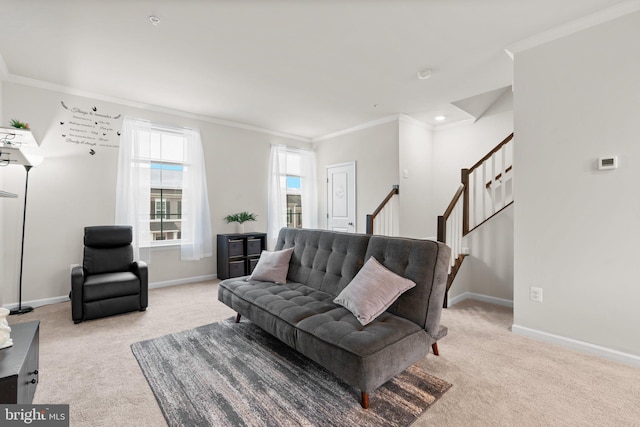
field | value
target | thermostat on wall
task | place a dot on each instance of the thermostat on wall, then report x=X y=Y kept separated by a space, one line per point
x=605 y=163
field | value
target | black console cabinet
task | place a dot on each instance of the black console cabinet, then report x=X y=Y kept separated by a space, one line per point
x=19 y=364
x=238 y=254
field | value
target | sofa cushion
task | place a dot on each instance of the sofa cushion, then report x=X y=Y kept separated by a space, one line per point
x=314 y=311
x=372 y=291
x=363 y=356
x=292 y=302
x=324 y=260
x=272 y=266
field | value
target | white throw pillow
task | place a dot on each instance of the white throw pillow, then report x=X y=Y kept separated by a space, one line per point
x=372 y=291
x=272 y=266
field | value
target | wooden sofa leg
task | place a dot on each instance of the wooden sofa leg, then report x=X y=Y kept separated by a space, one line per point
x=434 y=347
x=365 y=400
x=238 y=316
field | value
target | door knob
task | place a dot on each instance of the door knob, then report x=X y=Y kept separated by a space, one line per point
x=350 y=223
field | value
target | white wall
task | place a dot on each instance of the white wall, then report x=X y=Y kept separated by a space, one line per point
x=73 y=189
x=375 y=151
x=488 y=270
x=576 y=228
x=415 y=145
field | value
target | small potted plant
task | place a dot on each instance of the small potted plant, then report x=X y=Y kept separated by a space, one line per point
x=18 y=124
x=241 y=218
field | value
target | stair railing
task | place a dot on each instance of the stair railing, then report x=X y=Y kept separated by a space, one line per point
x=486 y=189
x=386 y=215
x=450 y=229
x=489 y=185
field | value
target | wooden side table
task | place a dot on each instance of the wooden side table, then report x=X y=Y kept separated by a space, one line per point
x=19 y=364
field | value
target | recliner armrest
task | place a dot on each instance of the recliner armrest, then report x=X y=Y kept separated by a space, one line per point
x=139 y=268
x=77 y=284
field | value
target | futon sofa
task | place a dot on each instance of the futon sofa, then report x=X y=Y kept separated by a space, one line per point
x=302 y=314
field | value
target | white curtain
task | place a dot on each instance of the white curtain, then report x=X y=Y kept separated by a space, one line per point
x=196 y=241
x=309 y=189
x=133 y=185
x=277 y=194
x=133 y=191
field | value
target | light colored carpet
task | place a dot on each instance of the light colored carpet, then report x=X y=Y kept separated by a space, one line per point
x=499 y=378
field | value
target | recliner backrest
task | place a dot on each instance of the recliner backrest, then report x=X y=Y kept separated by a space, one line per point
x=107 y=249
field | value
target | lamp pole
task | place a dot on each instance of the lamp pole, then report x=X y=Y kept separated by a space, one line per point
x=20 y=309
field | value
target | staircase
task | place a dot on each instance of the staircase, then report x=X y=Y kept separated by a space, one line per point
x=485 y=190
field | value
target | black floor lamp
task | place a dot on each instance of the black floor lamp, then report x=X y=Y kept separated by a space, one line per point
x=19 y=147
x=20 y=309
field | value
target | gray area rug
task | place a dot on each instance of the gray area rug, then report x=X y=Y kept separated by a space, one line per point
x=235 y=374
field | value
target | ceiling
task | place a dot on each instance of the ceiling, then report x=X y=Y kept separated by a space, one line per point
x=304 y=68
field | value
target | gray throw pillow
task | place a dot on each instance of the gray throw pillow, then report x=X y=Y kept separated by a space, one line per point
x=272 y=266
x=372 y=291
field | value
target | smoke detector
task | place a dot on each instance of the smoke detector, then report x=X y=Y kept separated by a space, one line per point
x=424 y=74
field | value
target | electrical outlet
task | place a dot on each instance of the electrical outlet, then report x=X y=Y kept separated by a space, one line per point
x=535 y=294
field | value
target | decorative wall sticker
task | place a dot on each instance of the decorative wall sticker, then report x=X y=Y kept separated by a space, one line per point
x=90 y=126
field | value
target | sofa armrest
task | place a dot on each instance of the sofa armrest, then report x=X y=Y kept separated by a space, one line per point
x=139 y=268
x=442 y=332
x=76 y=295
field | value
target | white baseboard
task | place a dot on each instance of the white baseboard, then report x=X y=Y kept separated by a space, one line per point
x=184 y=281
x=479 y=297
x=581 y=346
x=56 y=300
x=39 y=302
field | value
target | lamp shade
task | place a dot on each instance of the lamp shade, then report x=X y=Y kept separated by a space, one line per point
x=18 y=146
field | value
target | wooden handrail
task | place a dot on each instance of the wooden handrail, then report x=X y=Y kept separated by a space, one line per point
x=491 y=153
x=453 y=202
x=394 y=190
x=442 y=219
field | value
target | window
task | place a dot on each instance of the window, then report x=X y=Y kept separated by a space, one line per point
x=292 y=190
x=164 y=152
x=294 y=187
x=162 y=188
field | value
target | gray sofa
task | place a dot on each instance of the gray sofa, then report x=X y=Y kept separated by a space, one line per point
x=303 y=315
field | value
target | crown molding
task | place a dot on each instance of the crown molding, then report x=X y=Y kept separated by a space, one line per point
x=463 y=122
x=12 y=78
x=411 y=120
x=574 y=26
x=357 y=128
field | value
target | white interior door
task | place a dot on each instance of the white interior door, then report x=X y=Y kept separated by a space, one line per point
x=341 y=197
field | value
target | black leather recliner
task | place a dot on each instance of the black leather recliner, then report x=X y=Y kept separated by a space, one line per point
x=109 y=281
